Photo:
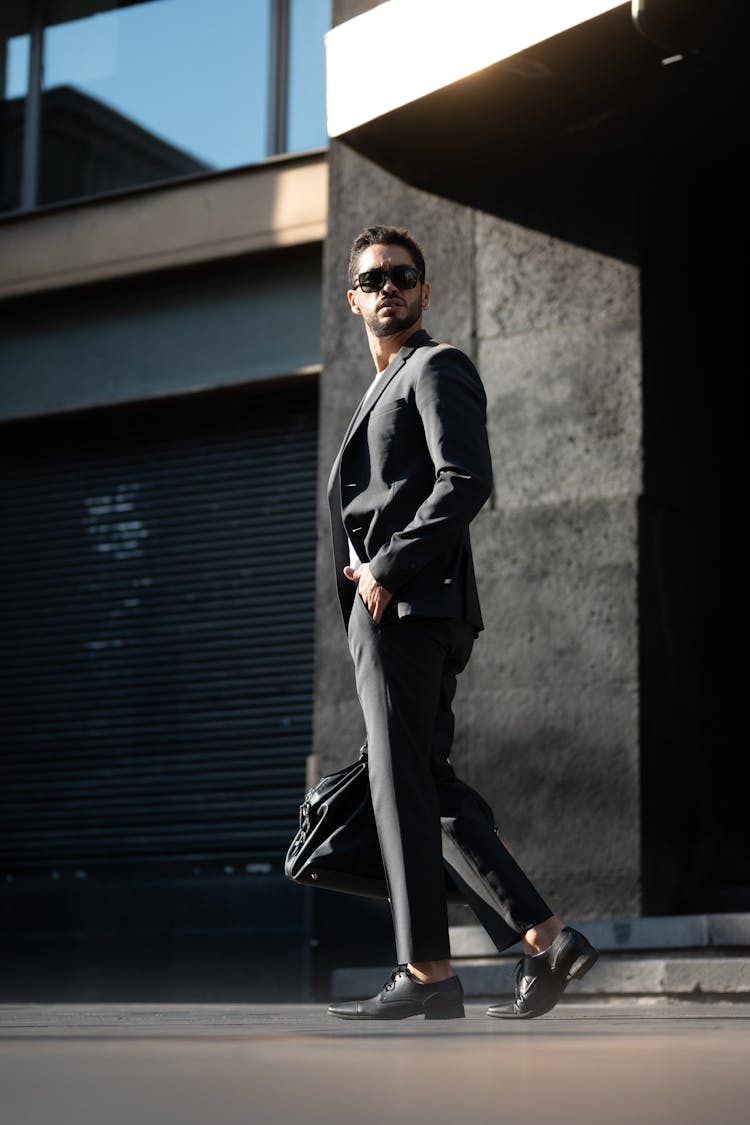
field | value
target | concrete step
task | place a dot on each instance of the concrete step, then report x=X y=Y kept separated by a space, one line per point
x=679 y=956
x=676 y=931
x=613 y=975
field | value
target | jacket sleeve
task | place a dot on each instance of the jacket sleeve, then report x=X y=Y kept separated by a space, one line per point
x=453 y=407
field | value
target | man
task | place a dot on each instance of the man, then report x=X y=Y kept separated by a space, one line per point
x=413 y=471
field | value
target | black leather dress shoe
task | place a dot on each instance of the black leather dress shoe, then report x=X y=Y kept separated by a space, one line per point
x=541 y=980
x=402 y=996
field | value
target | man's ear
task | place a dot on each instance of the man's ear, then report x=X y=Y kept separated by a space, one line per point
x=425 y=295
x=351 y=297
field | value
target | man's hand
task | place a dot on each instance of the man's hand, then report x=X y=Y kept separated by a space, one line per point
x=375 y=596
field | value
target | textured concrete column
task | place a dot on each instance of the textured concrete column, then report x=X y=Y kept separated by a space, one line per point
x=554 y=688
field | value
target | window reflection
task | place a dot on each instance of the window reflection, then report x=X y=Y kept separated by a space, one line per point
x=16 y=66
x=309 y=20
x=152 y=91
x=14 y=75
x=139 y=91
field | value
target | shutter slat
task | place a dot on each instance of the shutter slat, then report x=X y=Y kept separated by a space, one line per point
x=156 y=695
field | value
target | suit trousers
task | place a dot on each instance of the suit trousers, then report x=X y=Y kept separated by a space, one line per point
x=427 y=818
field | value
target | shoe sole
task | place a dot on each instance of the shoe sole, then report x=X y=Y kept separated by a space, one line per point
x=455 y=1013
x=582 y=964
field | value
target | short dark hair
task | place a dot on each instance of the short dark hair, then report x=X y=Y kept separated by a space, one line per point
x=385 y=236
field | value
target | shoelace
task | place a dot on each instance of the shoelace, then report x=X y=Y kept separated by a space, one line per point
x=391 y=982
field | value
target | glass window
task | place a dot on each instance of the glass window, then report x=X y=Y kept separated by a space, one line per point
x=309 y=20
x=140 y=91
x=14 y=75
x=17 y=66
x=153 y=91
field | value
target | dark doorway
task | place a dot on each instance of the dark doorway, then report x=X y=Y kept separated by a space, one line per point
x=693 y=526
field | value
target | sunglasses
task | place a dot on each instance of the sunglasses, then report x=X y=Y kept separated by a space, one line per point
x=372 y=281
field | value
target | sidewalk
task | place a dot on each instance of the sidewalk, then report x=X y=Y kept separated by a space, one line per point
x=647 y=1062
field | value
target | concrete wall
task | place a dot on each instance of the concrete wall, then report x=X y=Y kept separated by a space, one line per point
x=163 y=289
x=548 y=708
x=270 y=206
x=160 y=335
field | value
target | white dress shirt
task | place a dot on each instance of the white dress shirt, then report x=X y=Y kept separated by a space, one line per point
x=354 y=560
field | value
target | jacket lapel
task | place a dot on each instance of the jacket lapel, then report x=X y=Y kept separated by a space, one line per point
x=368 y=400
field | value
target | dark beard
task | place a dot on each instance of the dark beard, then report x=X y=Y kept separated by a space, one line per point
x=393 y=325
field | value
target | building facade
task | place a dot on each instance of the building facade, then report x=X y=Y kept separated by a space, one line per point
x=163 y=216
x=177 y=367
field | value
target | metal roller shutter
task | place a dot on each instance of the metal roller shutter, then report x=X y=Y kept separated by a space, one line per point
x=157 y=638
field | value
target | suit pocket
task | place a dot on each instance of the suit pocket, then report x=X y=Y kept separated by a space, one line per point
x=386 y=414
x=392 y=407
x=389 y=437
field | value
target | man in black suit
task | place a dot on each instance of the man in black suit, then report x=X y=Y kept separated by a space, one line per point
x=412 y=473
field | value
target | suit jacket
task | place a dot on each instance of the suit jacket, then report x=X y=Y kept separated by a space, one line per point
x=412 y=472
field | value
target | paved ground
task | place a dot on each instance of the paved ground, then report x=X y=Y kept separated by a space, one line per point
x=649 y=1063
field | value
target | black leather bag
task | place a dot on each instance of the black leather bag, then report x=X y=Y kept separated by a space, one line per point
x=336 y=846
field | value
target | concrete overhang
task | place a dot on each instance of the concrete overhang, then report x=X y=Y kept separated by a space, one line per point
x=548 y=112
x=280 y=204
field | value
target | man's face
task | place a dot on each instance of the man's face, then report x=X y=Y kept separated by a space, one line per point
x=389 y=310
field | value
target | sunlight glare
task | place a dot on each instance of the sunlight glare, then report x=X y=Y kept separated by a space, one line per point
x=404 y=49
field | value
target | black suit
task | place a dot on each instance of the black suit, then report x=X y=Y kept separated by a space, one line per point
x=413 y=471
